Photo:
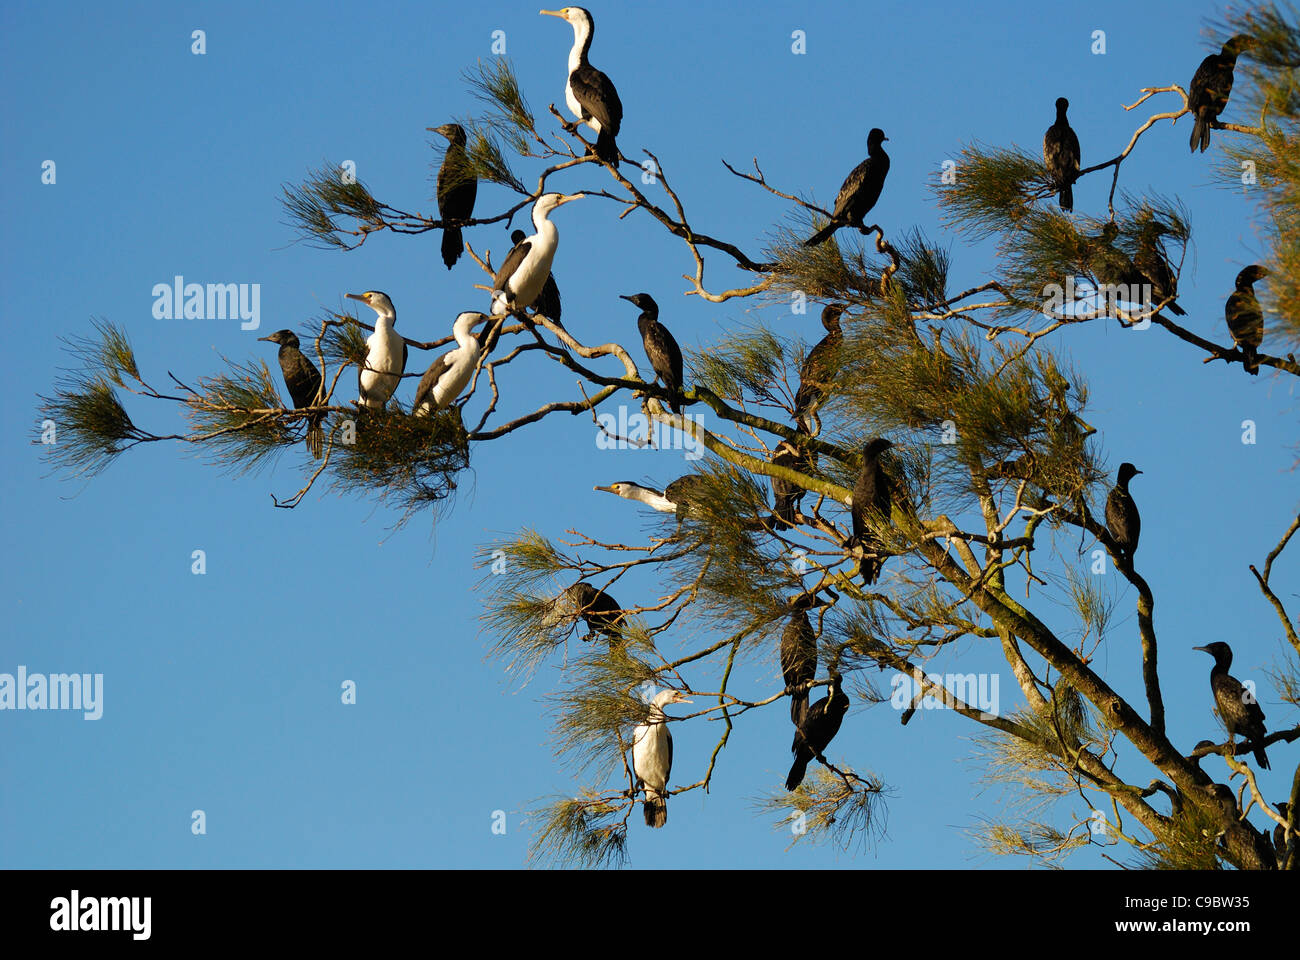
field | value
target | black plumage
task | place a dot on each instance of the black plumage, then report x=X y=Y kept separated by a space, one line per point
x=457 y=190
x=786 y=495
x=817 y=375
x=1245 y=318
x=303 y=381
x=820 y=725
x=596 y=608
x=1122 y=517
x=871 y=495
x=684 y=491
x=860 y=191
x=1061 y=155
x=665 y=356
x=548 y=301
x=799 y=657
x=1279 y=832
x=1211 y=86
x=1239 y=710
x=1153 y=265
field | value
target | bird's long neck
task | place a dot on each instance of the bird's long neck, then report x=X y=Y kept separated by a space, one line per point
x=545 y=229
x=651 y=498
x=467 y=341
x=582 y=31
x=1222 y=662
x=1060 y=115
x=385 y=320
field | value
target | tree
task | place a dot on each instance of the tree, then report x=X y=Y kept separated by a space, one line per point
x=993 y=468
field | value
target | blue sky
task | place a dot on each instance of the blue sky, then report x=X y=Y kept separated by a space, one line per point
x=222 y=691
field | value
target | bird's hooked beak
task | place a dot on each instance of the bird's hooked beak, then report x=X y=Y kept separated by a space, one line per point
x=552 y=13
x=1206 y=649
x=606 y=489
x=629 y=299
x=357 y=296
x=565 y=199
x=271 y=338
x=679 y=698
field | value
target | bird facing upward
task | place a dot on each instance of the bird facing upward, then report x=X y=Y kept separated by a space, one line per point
x=1061 y=155
x=1238 y=707
x=859 y=192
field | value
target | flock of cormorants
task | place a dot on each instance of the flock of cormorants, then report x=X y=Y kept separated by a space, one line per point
x=524 y=281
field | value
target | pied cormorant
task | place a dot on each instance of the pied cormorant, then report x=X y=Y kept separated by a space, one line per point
x=457 y=189
x=524 y=271
x=652 y=756
x=589 y=93
x=303 y=382
x=548 y=301
x=448 y=376
x=385 y=353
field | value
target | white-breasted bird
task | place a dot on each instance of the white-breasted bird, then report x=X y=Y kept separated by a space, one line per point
x=448 y=376
x=385 y=353
x=524 y=271
x=590 y=94
x=652 y=756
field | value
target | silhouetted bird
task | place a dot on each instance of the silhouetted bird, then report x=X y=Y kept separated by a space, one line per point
x=665 y=356
x=457 y=189
x=1211 y=85
x=548 y=301
x=818 y=730
x=1279 y=832
x=1061 y=155
x=1154 y=267
x=799 y=657
x=596 y=608
x=860 y=191
x=817 y=375
x=303 y=382
x=1122 y=514
x=1245 y=319
x=871 y=494
x=786 y=495
x=1240 y=711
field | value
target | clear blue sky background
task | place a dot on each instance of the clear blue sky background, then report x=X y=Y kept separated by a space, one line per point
x=222 y=691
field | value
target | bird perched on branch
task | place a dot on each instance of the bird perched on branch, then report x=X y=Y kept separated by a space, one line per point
x=1240 y=711
x=1245 y=319
x=457 y=189
x=860 y=191
x=817 y=375
x=588 y=92
x=819 y=727
x=1061 y=155
x=1211 y=86
x=871 y=495
x=786 y=495
x=448 y=375
x=1122 y=516
x=523 y=273
x=548 y=301
x=1151 y=263
x=665 y=356
x=652 y=756
x=303 y=382
x=582 y=601
x=799 y=657
x=385 y=353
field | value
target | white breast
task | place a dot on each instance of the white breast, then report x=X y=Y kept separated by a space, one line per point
x=383 y=368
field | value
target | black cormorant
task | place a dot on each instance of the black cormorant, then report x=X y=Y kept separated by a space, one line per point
x=1240 y=711
x=596 y=608
x=1245 y=319
x=799 y=657
x=1151 y=263
x=819 y=728
x=652 y=756
x=589 y=93
x=1279 y=831
x=786 y=495
x=523 y=273
x=303 y=382
x=548 y=301
x=1210 y=88
x=665 y=356
x=385 y=353
x=457 y=188
x=1122 y=514
x=860 y=191
x=1061 y=155
x=817 y=375
x=871 y=494
x=450 y=374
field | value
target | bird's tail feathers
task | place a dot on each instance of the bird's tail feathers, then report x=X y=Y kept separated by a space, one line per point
x=1260 y=756
x=607 y=148
x=1067 y=197
x=656 y=809
x=315 y=439
x=822 y=235
x=1251 y=360
x=453 y=245
x=797 y=771
x=1176 y=310
x=1200 y=135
